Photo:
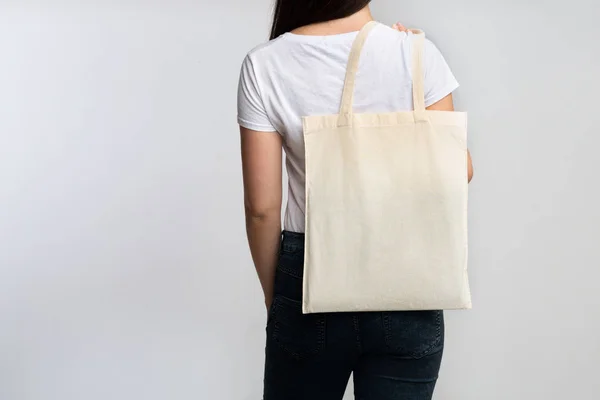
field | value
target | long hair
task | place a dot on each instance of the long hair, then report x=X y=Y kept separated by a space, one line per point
x=292 y=14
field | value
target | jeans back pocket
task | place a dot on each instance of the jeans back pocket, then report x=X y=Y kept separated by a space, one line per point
x=299 y=335
x=414 y=334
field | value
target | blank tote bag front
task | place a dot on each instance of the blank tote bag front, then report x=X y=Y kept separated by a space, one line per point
x=386 y=204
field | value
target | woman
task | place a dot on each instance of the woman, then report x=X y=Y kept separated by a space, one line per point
x=300 y=72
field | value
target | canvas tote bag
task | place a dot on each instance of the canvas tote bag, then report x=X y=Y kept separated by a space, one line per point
x=386 y=204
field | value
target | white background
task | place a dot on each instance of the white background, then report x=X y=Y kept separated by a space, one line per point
x=124 y=271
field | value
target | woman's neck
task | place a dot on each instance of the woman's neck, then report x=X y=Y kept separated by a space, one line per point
x=338 y=26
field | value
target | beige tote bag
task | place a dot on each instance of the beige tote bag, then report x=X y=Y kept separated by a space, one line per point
x=386 y=204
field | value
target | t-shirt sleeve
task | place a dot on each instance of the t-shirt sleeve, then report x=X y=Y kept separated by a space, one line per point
x=439 y=79
x=251 y=109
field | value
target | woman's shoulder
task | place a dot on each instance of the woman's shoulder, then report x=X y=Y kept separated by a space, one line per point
x=264 y=50
x=386 y=36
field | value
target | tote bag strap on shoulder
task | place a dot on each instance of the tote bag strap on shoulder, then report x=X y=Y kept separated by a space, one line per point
x=418 y=71
x=346 y=107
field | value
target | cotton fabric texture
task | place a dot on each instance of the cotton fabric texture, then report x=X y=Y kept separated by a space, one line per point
x=386 y=203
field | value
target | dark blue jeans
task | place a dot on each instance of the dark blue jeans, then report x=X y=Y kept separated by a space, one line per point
x=393 y=355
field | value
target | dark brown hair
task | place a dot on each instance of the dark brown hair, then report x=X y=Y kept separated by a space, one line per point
x=292 y=14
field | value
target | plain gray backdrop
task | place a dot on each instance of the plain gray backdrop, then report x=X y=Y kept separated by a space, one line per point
x=124 y=270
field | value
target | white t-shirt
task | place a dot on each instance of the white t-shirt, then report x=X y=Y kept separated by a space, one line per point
x=297 y=75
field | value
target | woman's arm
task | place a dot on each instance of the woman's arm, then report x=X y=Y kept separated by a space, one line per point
x=261 y=163
x=447 y=104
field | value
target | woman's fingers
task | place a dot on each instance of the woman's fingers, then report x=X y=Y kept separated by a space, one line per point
x=399 y=27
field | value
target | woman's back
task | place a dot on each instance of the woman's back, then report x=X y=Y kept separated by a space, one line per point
x=300 y=75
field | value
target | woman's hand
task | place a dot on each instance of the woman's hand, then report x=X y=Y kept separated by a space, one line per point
x=399 y=27
x=268 y=302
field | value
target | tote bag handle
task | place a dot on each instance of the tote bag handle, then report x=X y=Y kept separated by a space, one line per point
x=418 y=76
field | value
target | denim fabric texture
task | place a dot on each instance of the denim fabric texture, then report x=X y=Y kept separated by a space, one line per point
x=393 y=355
